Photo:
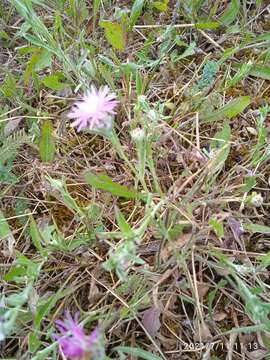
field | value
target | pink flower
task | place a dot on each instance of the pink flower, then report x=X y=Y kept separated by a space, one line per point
x=73 y=341
x=94 y=109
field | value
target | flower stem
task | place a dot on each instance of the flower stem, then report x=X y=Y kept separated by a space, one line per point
x=119 y=148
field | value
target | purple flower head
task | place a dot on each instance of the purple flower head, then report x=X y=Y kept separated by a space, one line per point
x=73 y=341
x=94 y=109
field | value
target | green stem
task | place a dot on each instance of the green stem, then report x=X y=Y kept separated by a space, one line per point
x=153 y=169
x=119 y=148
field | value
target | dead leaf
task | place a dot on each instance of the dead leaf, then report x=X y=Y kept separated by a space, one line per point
x=151 y=320
x=236 y=227
x=94 y=293
x=259 y=354
x=181 y=241
x=202 y=290
x=11 y=126
x=219 y=316
x=8 y=246
x=203 y=333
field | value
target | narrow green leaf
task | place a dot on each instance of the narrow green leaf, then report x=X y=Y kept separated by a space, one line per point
x=4 y=227
x=139 y=83
x=257 y=228
x=230 y=13
x=30 y=67
x=103 y=182
x=142 y=354
x=221 y=147
x=161 y=6
x=45 y=60
x=33 y=342
x=189 y=51
x=218 y=227
x=226 y=55
x=114 y=34
x=47 y=145
x=243 y=71
x=44 y=354
x=260 y=71
x=211 y=25
x=36 y=41
x=96 y=5
x=4 y=35
x=212 y=294
x=67 y=199
x=36 y=237
x=123 y=225
x=136 y=11
x=250 y=183
x=6 y=235
x=44 y=307
x=231 y=109
x=259 y=38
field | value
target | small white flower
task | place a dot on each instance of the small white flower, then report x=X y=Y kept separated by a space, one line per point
x=137 y=134
x=256 y=199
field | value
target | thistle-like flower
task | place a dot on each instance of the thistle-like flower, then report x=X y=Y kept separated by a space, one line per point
x=73 y=342
x=94 y=110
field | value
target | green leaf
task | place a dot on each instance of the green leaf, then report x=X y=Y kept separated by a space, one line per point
x=24 y=269
x=190 y=50
x=218 y=227
x=54 y=82
x=30 y=67
x=142 y=354
x=4 y=35
x=114 y=34
x=249 y=183
x=211 y=25
x=123 y=225
x=9 y=86
x=47 y=145
x=40 y=59
x=45 y=60
x=44 y=354
x=45 y=306
x=230 y=13
x=33 y=342
x=6 y=235
x=243 y=71
x=139 y=83
x=36 y=237
x=161 y=5
x=259 y=38
x=103 y=182
x=136 y=11
x=260 y=71
x=231 y=109
x=4 y=227
x=256 y=228
x=65 y=196
x=96 y=6
x=212 y=294
x=14 y=273
x=221 y=147
x=209 y=75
